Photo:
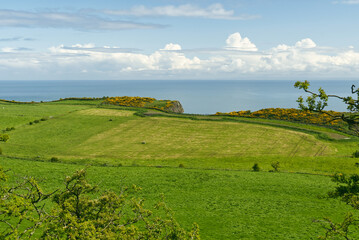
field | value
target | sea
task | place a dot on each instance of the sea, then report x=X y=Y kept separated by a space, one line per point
x=200 y=96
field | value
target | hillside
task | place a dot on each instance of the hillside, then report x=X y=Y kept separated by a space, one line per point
x=115 y=135
x=201 y=163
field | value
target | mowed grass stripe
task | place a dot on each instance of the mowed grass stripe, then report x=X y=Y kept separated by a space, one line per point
x=77 y=135
x=168 y=138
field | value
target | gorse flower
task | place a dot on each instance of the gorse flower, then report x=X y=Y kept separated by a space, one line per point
x=294 y=115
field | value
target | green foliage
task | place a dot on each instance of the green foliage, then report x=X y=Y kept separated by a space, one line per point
x=54 y=159
x=355 y=154
x=21 y=210
x=317 y=101
x=0 y=151
x=314 y=102
x=78 y=214
x=256 y=168
x=347 y=190
x=225 y=204
x=4 y=137
x=275 y=165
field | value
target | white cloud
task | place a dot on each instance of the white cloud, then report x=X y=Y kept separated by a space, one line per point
x=7 y=50
x=306 y=43
x=79 y=61
x=236 y=42
x=214 y=11
x=172 y=47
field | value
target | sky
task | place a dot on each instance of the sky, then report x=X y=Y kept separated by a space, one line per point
x=179 y=40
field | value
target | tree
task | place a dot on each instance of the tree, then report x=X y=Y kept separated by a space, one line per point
x=79 y=214
x=347 y=189
x=317 y=101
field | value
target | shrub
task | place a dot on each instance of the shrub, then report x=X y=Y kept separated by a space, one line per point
x=12 y=128
x=134 y=164
x=181 y=165
x=8 y=129
x=0 y=151
x=4 y=137
x=355 y=154
x=275 y=166
x=80 y=210
x=54 y=159
x=256 y=168
x=43 y=119
x=30 y=123
x=36 y=121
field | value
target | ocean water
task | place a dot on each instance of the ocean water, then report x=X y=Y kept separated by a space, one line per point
x=203 y=97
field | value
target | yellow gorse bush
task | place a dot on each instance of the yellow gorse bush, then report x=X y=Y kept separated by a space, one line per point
x=291 y=114
x=140 y=102
x=129 y=101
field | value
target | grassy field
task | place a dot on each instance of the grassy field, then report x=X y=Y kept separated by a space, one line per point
x=115 y=136
x=225 y=204
x=215 y=188
x=16 y=115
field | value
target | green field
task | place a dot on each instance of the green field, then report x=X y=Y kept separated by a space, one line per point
x=226 y=204
x=215 y=188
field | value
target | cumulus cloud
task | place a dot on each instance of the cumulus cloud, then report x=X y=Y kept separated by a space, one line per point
x=87 y=61
x=172 y=47
x=214 y=11
x=55 y=19
x=236 y=42
x=306 y=43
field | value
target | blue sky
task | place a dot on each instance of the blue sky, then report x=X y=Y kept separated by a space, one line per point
x=243 y=39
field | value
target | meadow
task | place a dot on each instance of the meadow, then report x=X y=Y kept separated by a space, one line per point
x=225 y=204
x=202 y=163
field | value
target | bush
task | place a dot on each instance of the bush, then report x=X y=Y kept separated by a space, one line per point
x=8 y=129
x=181 y=165
x=79 y=209
x=43 y=119
x=0 y=151
x=12 y=128
x=36 y=121
x=4 y=137
x=355 y=154
x=275 y=166
x=54 y=159
x=256 y=168
x=30 y=123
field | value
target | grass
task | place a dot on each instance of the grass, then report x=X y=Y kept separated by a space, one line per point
x=213 y=186
x=114 y=135
x=226 y=204
x=14 y=115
